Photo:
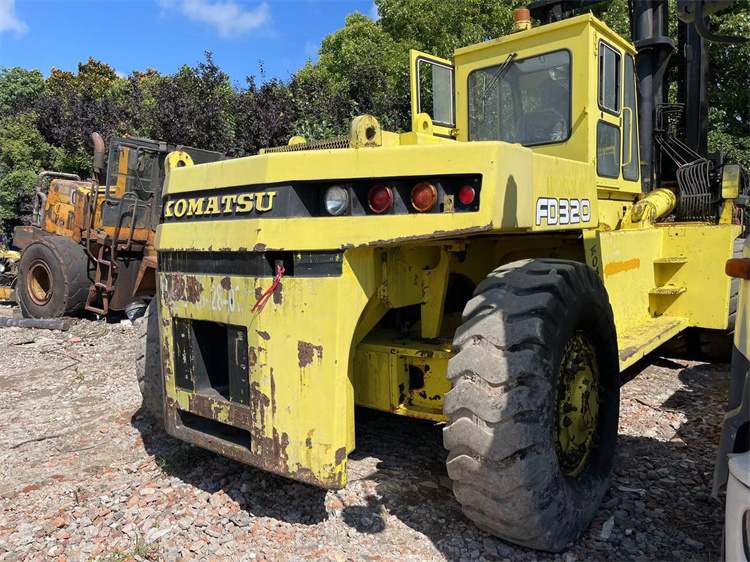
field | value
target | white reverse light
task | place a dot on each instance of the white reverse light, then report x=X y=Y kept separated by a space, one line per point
x=336 y=200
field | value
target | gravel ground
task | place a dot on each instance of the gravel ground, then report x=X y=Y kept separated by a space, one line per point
x=85 y=473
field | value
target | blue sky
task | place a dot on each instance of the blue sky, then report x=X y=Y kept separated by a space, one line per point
x=165 y=34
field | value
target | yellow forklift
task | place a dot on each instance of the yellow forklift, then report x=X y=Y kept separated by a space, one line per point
x=548 y=221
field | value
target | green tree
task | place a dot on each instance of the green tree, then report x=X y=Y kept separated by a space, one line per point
x=441 y=27
x=193 y=107
x=23 y=154
x=362 y=69
x=729 y=86
x=19 y=89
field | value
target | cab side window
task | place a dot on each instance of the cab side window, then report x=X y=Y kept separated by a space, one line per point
x=608 y=151
x=609 y=78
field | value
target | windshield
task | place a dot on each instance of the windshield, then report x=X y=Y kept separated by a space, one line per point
x=528 y=104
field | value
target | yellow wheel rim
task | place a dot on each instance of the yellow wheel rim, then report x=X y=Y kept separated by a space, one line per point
x=39 y=283
x=576 y=404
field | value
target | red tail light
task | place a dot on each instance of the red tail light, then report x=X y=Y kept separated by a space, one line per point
x=423 y=197
x=380 y=198
x=466 y=195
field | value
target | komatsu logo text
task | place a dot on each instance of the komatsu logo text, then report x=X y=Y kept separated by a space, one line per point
x=220 y=205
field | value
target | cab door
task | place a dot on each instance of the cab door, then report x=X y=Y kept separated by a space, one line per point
x=433 y=91
x=608 y=130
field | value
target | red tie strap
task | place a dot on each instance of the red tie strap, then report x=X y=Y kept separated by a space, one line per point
x=261 y=302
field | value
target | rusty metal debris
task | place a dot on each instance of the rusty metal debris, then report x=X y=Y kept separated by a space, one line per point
x=34 y=323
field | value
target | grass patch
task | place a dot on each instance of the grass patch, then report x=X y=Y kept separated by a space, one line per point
x=141 y=550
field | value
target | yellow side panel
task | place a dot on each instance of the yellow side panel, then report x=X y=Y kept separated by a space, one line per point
x=707 y=248
x=564 y=194
x=372 y=380
x=627 y=268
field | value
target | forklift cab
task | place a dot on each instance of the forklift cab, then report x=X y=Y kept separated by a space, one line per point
x=565 y=89
x=136 y=170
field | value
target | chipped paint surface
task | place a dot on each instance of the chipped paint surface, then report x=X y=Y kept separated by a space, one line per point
x=296 y=414
x=615 y=267
x=306 y=352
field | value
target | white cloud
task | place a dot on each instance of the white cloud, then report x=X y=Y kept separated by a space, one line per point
x=228 y=17
x=120 y=74
x=9 y=20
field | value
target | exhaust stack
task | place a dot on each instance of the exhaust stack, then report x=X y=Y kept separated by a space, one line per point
x=100 y=166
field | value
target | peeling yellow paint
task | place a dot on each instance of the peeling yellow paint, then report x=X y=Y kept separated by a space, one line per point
x=615 y=267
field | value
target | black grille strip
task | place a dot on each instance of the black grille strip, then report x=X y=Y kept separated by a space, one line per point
x=253 y=264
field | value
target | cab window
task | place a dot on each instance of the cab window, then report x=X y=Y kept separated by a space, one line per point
x=607 y=150
x=435 y=91
x=528 y=102
x=609 y=78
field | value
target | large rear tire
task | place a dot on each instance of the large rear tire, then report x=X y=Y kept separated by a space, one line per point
x=148 y=363
x=534 y=403
x=52 y=278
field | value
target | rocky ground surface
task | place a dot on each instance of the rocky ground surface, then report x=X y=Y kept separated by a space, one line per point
x=86 y=474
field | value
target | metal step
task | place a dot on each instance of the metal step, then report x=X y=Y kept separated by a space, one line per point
x=678 y=259
x=647 y=335
x=668 y=290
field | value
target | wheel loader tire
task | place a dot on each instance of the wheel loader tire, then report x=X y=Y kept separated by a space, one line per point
x=52 y=278
x=709 y=345
x=148 y=363
x=529 y=463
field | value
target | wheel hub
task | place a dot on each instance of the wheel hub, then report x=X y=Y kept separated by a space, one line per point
x=39 y=283
x=576 y=404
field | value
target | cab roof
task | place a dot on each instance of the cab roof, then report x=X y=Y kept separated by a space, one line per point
x=584 y=19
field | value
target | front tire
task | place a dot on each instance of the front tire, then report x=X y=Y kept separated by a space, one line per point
x=534 y=403
x=52 y=278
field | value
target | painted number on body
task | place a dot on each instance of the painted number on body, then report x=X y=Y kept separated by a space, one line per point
x=560 y=212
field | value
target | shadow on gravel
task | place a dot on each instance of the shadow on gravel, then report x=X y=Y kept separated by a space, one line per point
x=259 y=493
x=659 y=500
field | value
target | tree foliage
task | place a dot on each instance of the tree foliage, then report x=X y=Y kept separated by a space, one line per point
x=362 y=68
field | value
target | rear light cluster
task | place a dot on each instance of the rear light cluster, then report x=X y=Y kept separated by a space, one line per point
x=380 y=198
x=424 y=197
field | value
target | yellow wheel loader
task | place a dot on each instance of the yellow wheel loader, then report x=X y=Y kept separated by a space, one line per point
x=545 y=224
x=90 y=243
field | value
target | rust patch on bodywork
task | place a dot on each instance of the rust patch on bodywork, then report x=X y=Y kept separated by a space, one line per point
x=267 y=452
x=252 y=356
x=226 y=284
x=265 y=335
x=340 y=455
x=435 y=234
x=258 y=293
x=308 y=441
x=176 y=287
x=194 y=290
x=278 y=297
x=307 y=351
